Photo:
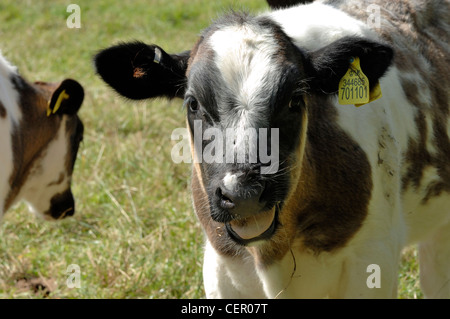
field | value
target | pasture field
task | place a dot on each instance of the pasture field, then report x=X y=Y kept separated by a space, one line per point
x=134 y=234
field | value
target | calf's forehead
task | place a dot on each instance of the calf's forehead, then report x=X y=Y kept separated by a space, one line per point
x=236 y=70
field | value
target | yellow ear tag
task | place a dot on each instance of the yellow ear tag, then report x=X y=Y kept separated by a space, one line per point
x=62 y=96
x=354 y=85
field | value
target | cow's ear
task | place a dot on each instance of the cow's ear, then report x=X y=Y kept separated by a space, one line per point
x=328 y=65
x=66 y=99
x=140 y=71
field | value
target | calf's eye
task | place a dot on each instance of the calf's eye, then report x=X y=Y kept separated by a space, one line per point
x=191 y=103
x=296 y=104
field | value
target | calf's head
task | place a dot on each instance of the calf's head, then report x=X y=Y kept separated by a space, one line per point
x=45 y=143
x=246 y=89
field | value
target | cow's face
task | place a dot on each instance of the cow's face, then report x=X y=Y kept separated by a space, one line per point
x=50 y=134
x=247 y=90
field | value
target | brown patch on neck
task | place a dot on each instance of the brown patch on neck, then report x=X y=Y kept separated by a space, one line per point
x=330 y=196
x=31 y=136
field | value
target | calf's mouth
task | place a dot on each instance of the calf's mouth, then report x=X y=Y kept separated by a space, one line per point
x=254 y=228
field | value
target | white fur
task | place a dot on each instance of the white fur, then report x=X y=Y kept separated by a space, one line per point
x=433 y=256
x=36 y=191
x=9 y=100
x=226 y=277
x=8 y=94
x=302 y=274
x=310 y=32
x=240 y=51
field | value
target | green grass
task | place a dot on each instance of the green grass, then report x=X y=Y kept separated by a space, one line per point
x=135 y=234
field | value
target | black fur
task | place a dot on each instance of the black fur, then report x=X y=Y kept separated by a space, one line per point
x=62 y=203
x=278 y=4
x=329 y=64
x=73 y=103
x=129 y=68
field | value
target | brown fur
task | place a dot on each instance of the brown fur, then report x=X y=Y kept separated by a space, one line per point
x=34 y=132
x=323 y=216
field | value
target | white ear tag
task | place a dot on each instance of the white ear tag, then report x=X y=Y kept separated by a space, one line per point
x=158 y=54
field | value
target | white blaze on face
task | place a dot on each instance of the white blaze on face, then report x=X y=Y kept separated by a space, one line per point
x=49 y=175
x=246 y=60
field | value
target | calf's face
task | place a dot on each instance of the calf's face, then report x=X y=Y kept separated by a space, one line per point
x=242 y=83
x=247 y=90
x=45 y=146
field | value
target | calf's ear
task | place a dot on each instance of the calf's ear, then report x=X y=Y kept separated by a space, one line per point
x=140 y=71
x=66 y=99
x=328 y=65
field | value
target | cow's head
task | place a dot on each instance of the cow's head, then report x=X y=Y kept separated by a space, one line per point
x=45 y=143
x=245 y=77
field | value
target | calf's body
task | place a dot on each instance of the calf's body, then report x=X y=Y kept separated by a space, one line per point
x=354 y=185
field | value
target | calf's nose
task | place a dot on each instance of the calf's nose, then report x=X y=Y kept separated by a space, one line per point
x=242 y=202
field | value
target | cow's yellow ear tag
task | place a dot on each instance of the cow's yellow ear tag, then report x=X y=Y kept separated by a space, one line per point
x=354 y=85
x=62 y=96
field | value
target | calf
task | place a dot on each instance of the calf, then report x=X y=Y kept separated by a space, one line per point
x=40 y=135
x=354 y=186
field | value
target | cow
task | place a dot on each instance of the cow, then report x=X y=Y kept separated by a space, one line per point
x=353 y=186
x=40 y=136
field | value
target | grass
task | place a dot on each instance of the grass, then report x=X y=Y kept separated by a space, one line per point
x=135 y=234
